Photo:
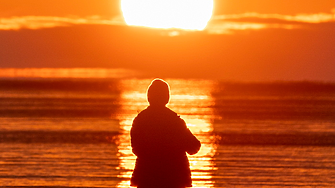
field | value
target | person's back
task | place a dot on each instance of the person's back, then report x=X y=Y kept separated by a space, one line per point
x=159 y=139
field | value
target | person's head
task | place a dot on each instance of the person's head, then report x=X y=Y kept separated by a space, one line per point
x=158 y=93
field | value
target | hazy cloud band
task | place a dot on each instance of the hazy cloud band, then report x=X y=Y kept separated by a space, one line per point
x=219 y=24
x=40 y=22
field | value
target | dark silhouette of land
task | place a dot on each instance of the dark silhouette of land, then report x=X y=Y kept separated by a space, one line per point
x=160 y=140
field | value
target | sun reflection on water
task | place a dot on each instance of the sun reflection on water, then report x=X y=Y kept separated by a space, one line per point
x=192 y=101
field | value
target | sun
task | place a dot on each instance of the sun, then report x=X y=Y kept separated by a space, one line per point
x=168 y=14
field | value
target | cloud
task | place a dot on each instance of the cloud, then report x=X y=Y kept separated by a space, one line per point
x=40 y=22
x=219 y=24
x=227 y=24
x=229 y=27
x=67 y=73
x=308 y=18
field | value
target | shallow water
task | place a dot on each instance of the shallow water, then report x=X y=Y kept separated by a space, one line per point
x=75 y=132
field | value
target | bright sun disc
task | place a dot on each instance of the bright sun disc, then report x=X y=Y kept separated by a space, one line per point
x=166 y=14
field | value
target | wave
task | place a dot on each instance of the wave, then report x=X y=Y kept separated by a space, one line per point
x=65 y=84
x=76 y=137
x=275 y=88
x=96 y=137
x=299 y=139
x=56 y=113
x=275 y=108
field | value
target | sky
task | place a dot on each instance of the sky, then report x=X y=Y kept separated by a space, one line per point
x=245 y=40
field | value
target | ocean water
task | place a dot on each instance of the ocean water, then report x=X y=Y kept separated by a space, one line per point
x=72 y=132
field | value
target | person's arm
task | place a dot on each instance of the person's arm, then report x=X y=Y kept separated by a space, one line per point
x=134 y=138
x=191 y=143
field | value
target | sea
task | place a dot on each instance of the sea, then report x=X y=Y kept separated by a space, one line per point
x=74 y=131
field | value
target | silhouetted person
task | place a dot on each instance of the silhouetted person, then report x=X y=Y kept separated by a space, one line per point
x=160 y=140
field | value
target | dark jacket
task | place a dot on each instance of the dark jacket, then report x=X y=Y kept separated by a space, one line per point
x=160 y=140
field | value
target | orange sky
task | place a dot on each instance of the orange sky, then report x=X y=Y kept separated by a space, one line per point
x=245 y=40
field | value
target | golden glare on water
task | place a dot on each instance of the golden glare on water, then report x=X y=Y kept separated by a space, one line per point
x=182 y=93
x=167 y=14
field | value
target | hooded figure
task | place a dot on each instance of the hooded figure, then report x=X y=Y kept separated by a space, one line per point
x=160 y=140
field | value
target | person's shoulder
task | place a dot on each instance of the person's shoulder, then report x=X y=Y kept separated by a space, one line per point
x=159 y=112
x=171 y=112
x=142 y=113
x=140 y=117
x=175 y=117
